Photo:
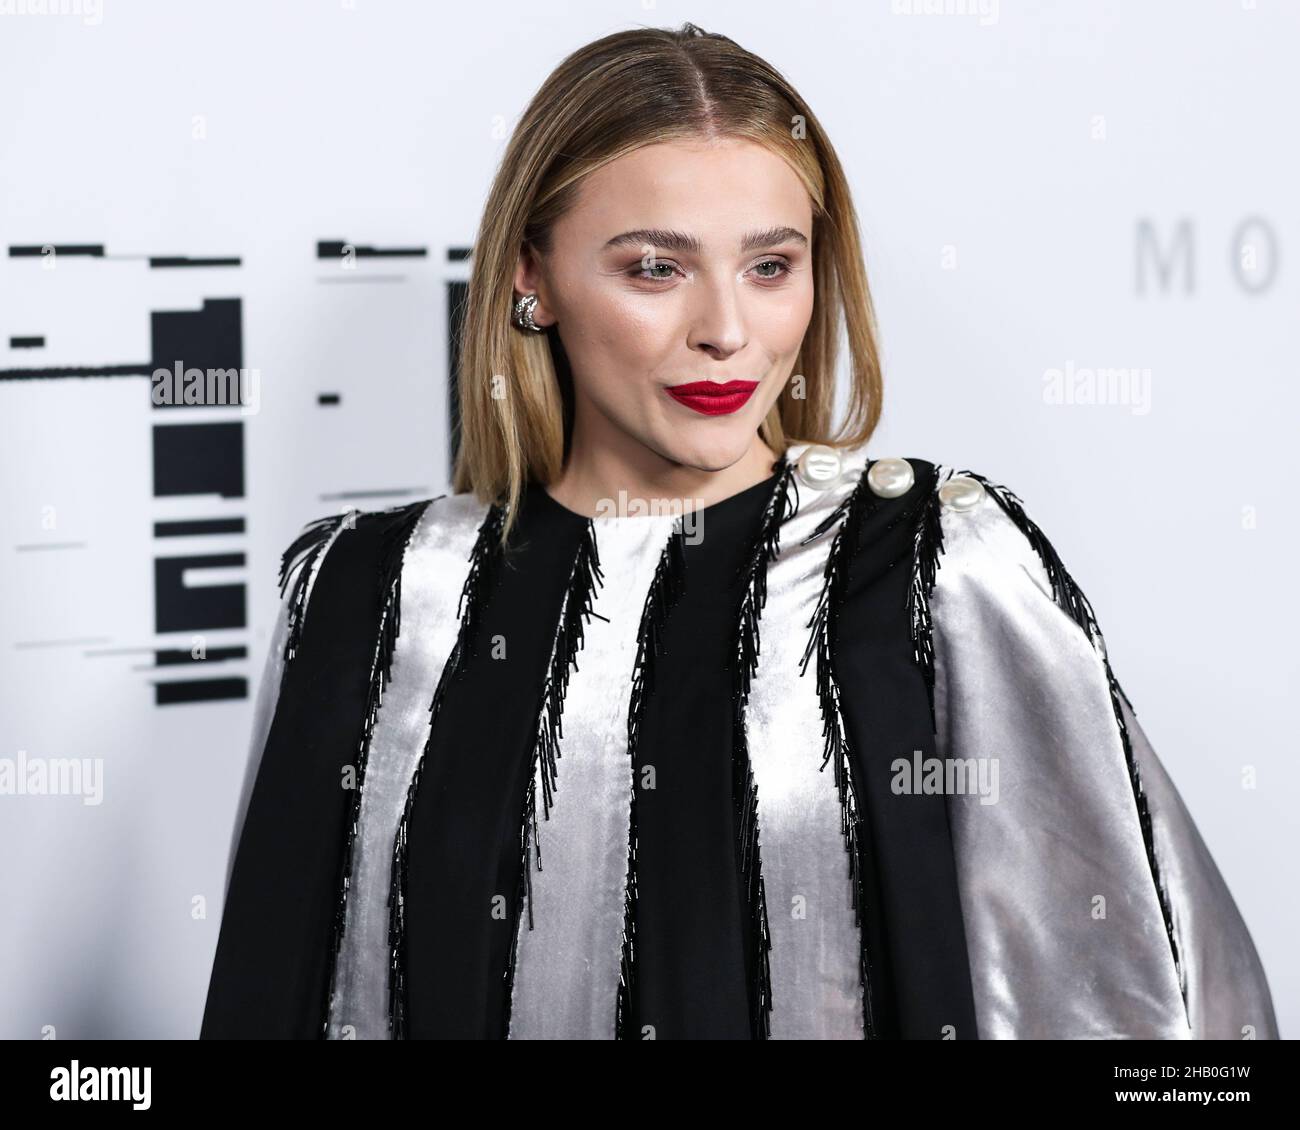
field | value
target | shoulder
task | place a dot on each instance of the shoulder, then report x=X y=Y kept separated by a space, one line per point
x=359 y=550
x=973 y=542
x=953 y=523
x=975 y=535
x=367 y=546
x=351 y=538
x=331 y=536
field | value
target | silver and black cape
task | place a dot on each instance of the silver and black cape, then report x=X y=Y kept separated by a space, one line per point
x=839 y=757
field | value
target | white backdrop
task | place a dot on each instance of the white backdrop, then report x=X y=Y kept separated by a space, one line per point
x=1043 y=187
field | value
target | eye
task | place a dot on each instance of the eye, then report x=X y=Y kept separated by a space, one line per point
x=657 y=265
x=783 y=269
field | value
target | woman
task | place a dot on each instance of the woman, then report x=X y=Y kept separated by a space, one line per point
x=525 y=770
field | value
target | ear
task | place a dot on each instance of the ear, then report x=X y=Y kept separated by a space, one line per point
x=529 y=279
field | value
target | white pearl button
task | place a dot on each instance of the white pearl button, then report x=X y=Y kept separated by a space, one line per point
x=961 y=492
x=820 y=467
x=890 y=478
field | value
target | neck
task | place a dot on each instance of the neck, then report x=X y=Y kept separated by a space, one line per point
x=596 y=476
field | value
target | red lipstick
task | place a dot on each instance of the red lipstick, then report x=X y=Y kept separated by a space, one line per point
x=712 y=398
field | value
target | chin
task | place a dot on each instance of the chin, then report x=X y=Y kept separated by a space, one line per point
x=714 y=452
x=709 y=457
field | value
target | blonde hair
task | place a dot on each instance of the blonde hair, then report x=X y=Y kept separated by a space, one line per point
x=617 y=94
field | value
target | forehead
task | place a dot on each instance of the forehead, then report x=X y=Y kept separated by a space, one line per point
x=714 y=189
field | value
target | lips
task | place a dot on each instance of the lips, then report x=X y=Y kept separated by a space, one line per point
x=712 y=398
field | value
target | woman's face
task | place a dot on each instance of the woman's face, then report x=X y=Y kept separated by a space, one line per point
x=683 y=263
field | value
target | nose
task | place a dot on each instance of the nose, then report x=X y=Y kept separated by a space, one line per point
x=717 y=318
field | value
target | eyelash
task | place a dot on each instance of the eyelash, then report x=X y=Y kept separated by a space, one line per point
x=636 y=272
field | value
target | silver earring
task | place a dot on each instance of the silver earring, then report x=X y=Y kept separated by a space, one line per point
x=524 y=313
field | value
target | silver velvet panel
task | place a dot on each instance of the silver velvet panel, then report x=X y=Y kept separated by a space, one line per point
x=815 y=972
x=1227 y=993
x=567 y=965
x=1064 y=931
x=433 y=574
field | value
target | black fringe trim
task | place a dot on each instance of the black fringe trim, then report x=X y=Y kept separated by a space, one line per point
x=927 y=545
x=397 y=527
x=744 y=790
x=302 y=555
x=469 y=608
x=1070 y=597
x=576 y=611
x=667 y=585
x=821 y=640
x=584 y=579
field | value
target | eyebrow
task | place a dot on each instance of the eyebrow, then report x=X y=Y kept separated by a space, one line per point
x=683 y=242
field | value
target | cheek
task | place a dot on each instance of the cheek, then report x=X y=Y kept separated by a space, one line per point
x=784 y=326
x=621 y=330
